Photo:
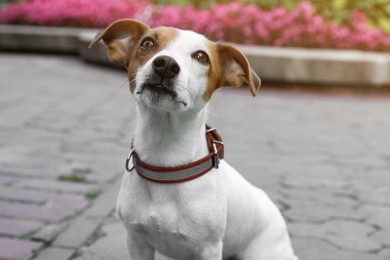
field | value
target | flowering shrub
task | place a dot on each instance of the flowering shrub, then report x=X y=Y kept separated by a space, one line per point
x=340 y=11
x=78 y=13
x=234 y=22
x=248 y=24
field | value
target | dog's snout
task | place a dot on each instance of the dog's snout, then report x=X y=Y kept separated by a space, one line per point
x=166 y=66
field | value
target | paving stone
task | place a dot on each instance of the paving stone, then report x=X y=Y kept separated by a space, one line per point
x=311 y=211
x=49 y=232
x=374 y=195
x=71 y=239
x=55 y=253
x=19 y=121
x=17 y=228
x=52 y=213
x=28 y=170
x=26 y=196
x=377 y=215
x=85 y=224
x=55 y=186
x=367 y=161
x=369 y=176
x=316 y=177
x=385 y=254
x=344 y=234
x=7 y=180
x=72 y=202
x=14 y=249
x=316 y=249
x=62 y=124
x=92 y=132
x=100 y=174
x=112 y=246
x=28 y=159
x=335 y=198
x=382 y=237
x=101 y=168
x=69 y=201
x=103 y=146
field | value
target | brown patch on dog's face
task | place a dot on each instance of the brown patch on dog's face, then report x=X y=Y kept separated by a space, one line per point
x=131 y=43
x=214 y=75
x=149 y=44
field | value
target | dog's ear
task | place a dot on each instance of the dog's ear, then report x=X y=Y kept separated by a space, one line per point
x=236 y=70
x=121 y=38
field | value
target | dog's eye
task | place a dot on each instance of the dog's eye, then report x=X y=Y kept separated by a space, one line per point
x=201 y=56
x=147 y=43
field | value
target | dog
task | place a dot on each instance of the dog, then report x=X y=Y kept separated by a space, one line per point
x=178 y=196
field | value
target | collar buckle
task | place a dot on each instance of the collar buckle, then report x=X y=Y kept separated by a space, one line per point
x=216 y=155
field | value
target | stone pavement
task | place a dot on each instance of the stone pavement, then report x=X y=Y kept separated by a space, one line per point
x=64 y=131
x=65 y=128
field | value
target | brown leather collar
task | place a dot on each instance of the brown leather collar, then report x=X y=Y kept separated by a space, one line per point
x=185 y=172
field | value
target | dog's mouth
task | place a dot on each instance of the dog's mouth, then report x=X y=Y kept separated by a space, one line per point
x=157 y=89
x=157 y=92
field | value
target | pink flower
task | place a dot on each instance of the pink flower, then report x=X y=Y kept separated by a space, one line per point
x=234 y=21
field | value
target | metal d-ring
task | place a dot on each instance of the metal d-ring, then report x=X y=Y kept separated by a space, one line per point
x=129 y=157
x=211 y=130
x=216 y=156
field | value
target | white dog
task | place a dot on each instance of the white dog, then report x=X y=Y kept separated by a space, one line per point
x=179 y=196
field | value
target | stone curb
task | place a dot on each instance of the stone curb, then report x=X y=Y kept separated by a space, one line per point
x=320 y=66
x=83 y=226
x=290 y=65
x=39 y=39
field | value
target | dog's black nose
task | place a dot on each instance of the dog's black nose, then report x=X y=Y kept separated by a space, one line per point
x=166 y=66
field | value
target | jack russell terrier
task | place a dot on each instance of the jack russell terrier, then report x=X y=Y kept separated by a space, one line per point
x=178 y=195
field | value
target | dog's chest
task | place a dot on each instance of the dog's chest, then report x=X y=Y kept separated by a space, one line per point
x=164 y=228
x=174 y=219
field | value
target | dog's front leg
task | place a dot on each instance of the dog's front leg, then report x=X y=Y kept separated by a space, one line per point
x=139 y=249
x=213 y=251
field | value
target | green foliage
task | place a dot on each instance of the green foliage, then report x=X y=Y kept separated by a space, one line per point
x=28 y=234
x=4 y=2
x=377 y=11
x=77 y=175
x=73 y=178
x=270 y=4
x=173 y=2
x=266 y=4
x=93 y=194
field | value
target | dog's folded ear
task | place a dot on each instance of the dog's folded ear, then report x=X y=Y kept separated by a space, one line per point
x=236 y=70
x=120 y=38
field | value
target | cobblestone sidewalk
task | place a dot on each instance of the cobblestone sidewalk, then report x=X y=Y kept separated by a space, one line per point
x=65 y=128
x=62 y=142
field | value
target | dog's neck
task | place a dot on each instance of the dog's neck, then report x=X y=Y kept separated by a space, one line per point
x=166 y=139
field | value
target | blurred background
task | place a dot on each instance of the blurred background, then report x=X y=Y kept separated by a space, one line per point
x=341 y=24
x=316 y=138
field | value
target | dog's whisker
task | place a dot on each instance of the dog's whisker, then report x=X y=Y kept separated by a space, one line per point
x=193 y=100
x=131 y=81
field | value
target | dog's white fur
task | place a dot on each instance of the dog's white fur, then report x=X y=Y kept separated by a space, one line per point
x=217 y=216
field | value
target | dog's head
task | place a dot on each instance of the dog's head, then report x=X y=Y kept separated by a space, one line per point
x=174 y=70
